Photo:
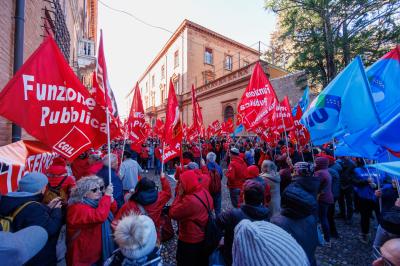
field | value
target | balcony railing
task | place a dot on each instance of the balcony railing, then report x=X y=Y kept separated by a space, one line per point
x=86 y=53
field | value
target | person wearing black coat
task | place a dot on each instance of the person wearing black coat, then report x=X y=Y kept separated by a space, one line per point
x=297 y=218
x=305 y=179
x=118 y=193
x=31 y=188
x=346 y=188
x=253 y=209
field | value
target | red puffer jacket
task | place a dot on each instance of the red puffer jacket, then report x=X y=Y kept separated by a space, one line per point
x=237 y=172
x=189 y=211
x=153 y=210
x=84 y=232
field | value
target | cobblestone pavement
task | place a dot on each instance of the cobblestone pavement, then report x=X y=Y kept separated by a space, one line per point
x=347 y=250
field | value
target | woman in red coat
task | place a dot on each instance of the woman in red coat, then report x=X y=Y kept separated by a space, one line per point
x=189 y=211
x=89 y=237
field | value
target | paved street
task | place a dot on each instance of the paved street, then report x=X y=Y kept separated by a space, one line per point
x=347 y=250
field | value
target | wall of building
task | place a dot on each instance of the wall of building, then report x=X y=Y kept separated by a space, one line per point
x=161 y=83
x=198 y=41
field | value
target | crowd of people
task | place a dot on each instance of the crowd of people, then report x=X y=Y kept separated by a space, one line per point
x=284 y=203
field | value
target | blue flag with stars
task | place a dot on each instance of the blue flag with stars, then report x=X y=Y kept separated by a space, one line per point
x=345 y=106
x=303 y=102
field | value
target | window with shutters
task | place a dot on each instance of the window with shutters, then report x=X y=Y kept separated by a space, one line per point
x=208 y=56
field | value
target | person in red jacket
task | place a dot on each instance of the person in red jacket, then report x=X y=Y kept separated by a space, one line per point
x=57 y=176
x=144 y=155
x=189 y=210
x=236 y=175
x=253 y=173
x=89 y=237
x=146 y=200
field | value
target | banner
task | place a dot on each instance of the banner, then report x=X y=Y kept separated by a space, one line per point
x=299 y=132
x=47 y=99
x=304 y=101
x=21 y=157
x=345 y=106
x=258 y=100
x=197 y=116
x=388 y=135
x=136 y=119
x=227 y=127
x=282 y=117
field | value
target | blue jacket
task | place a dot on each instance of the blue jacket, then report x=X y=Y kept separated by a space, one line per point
x=360 y=181
x=118 y=193
x=211 y=166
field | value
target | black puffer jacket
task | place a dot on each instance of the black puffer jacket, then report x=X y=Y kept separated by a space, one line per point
x=34 y=214
x=227 y=221
x=297 y=219
x=309 y=184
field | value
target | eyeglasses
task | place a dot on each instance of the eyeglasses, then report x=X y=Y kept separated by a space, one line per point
x=94 y=190
x=378 y=255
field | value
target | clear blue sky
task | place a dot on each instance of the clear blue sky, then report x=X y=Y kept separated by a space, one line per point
x=130 y=46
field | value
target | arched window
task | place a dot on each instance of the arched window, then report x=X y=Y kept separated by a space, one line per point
x=228 y=113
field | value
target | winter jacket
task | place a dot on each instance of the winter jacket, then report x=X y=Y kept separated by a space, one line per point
x=335 y=182
x=347 y=174
x=80 y=167
x=152 y=202
x=237 y=172
x=274 y=182
x=389 y=196
x=286 y=178
x=249 y=158
x=211 y=166
x=361 y=186
x=321 y=171
x=84 y=242
x=296 y=218
x=129 y=173
x=116 y=182
x=310 y=184
x=34 y=214
x=390 y=220
x=228 y=220
x=189 y=211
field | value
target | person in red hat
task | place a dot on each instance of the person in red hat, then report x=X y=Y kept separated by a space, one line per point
x=59 y=178
x=253 y=173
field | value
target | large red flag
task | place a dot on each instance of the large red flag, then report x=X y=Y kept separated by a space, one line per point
x=215 y=127
x=227 y=127
x=159 y=128
x=197 y=116
x=258 y=100
x=47 y=99
x=282 y=118
x=173 y=125
x=105 y=92
x=136 y=119
x=300 y=132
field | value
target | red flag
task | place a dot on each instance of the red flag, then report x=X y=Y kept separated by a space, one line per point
x=227 y=127
x=258 y=100
x=282 y=118
x=53 y=105
x=159 y=128
x=300 y=132
x=215 y=127
x=136 y=119
x=197 y=116
x=173 y=125
x=105 y=91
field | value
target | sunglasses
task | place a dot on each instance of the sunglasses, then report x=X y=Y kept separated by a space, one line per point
x=378 y=255
x=94 y=190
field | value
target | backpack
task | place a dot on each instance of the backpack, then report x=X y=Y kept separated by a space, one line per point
x=6 y=221
x=215 y=182
x=54 y=192
x=212 y=234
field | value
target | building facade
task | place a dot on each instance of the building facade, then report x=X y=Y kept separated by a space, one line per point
x=72 y=23
x=218 y=67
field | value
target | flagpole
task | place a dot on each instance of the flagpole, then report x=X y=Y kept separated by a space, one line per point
x=108 y=145
x=377 y=181
x=284 y=128
x=123 y=148
x=162 y=158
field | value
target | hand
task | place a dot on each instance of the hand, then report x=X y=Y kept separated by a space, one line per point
x=109 y=190
x=202 y=162
x=55 y=203
x=370 y=180
x=378 y=193
x=397 y=203
x=162 y=175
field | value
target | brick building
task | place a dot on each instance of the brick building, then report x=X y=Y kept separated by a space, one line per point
x=219 y=67
x=73 y=23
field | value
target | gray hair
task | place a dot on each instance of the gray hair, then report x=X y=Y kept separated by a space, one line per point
x=113 y=159
x=269 y=167
x=83 y=186
x=211 y=157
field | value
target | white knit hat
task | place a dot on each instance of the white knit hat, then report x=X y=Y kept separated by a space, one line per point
x=136 y=236
x=263 y=243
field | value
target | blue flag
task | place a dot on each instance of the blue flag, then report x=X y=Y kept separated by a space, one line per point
x=303 y=102
x=392 y=168
x=342 y=149
x=388 y=135
x=345 y=106
x=238 y=129
x=384 y=79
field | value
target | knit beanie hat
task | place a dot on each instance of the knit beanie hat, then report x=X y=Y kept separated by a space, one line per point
x=252 y=171
x=263 y=243
x=254 y=192
x=192 y=166
x=321 y=163
x=304 y=168
x=136 y=236
x=32 y=182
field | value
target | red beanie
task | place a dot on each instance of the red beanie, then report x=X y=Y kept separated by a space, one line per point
x=252 y=171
